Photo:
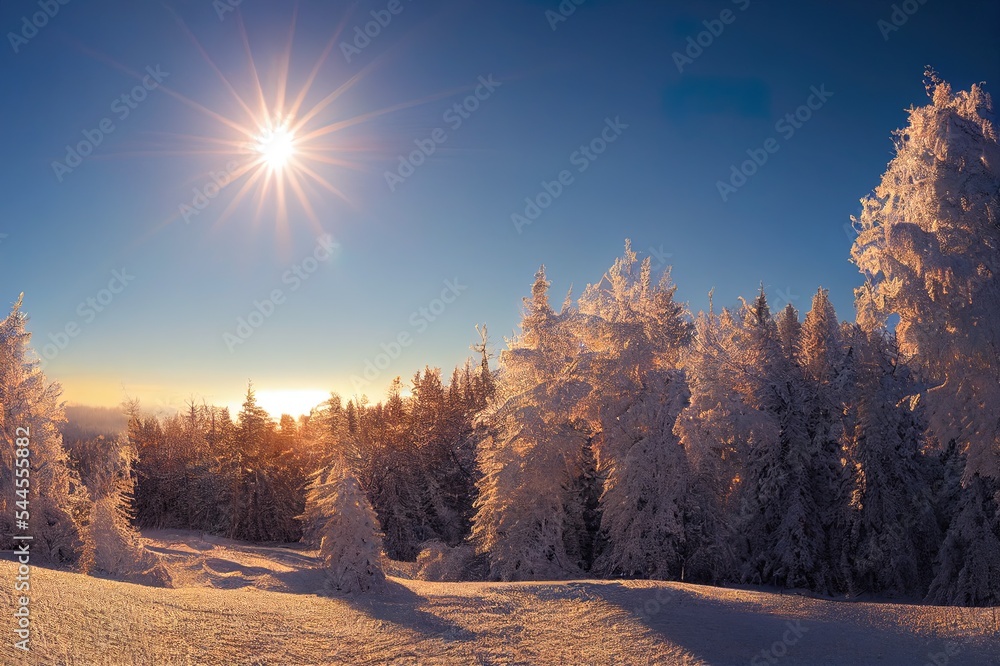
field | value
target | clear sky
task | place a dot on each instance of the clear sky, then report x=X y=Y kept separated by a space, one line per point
x=426 y=254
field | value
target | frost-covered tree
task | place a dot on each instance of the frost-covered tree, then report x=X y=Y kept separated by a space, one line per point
x=893 y=529
x=823 y=359
x=118 y=550
x=717 y=429
x=325 y=433
x=928 y=247
x=927 y=244
x=820 y=348
x=261 y=481
x=350 y=541
x=790 y=331
x=968 y=563
x=634 y=331
x=56 y=502
x=527 y=512
x=780 y=520
x=644 y=503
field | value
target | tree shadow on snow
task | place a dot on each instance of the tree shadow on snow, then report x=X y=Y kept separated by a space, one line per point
x=223 y=566
x=160 y=550
x=399 y=605
x=722 y=631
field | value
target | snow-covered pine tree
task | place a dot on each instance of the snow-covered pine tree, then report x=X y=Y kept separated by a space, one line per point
x=325 y=435
x=716 y=429
x=533 y=453
x=118 y=550
x=634 y=331
x=927 y=244
x=790 y=331
x=823 y=359
x=968 y=564
x=350 y=541
x=645 y=503
x=261 y=479
x=780 y=520
x=893 y=534
x=30 y=407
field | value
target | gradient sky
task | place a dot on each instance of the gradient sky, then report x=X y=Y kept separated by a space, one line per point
x=161 y=338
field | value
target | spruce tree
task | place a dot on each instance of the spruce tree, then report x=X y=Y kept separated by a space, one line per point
x=780 y=519
x=634 y=331
x=350 y=542
x=534 y=450
x=927 y=245
x=893 y=528
x=55 y=500
x=118 y=550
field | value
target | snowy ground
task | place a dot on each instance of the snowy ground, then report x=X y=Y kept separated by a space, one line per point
x=235 y=603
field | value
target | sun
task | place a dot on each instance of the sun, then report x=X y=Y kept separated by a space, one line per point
x=283 y=144
x=291 y=401
x=276 y=147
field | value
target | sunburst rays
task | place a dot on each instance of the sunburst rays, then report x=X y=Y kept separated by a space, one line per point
x=286 y=144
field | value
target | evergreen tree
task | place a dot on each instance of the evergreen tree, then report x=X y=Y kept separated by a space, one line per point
x=634 y=331
x=928 y=248
x=393 y=478
x=646 y=493
x=117 y=548
x=893 y=529
x=262 y=485
x=56 y=501
x=350 y=543
x=780 y=521
x=534 y=451
x=717 y=429
x=968 y=572
x=822 y=357
x=790 y=331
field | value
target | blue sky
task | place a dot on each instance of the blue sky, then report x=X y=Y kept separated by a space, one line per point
x=443 y=239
